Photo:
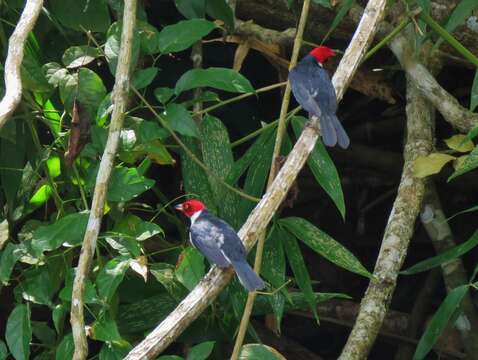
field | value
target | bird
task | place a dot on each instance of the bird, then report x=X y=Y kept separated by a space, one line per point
x=219 y=243
x=314 y=91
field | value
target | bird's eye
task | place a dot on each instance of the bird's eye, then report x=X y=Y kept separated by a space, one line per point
x=186 y=206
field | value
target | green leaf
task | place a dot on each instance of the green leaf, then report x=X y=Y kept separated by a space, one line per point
x=218 y=78
x=170 y=357
x=126 y=184
x=90 y=296
x=41 y=196
x=344 y=9
x=324 y=3
x=137 y=228
x=217 y=156
x=470 y=163
x=323 y=168
x=36 y=287
x=66 y=348
x=148 y=37
x=58 y=316
x=474 y=96
x=273 y=268
x=460 y=13
x=55 y=73
x=32 y=76
x=9 y=257
x=43 y=332
x=164 y=273
x=82 y=15
x=182 y=35
x=301 y=274
x=196 y=182
x=164 y=94
x=69 y=229
x=77 y=56
x=18 y=332
x=114 y=351
x=190 y=268
x=201 y=351
x=191 y=8
x=144 y=77
x=112 y=47
x=219 y=9
x=86 y=87
x=105 y=329
x=256 y=178
x=259 y=351
x=324 y=245
x=444 y=257
x=54 y=166
x=3 y=351
x=180 y=120
x=437 y=324
x=110 y=276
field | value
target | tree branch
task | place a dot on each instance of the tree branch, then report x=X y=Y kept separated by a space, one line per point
x=211 y=285
x=398 y=232
x=120 y=101
x=13 y=63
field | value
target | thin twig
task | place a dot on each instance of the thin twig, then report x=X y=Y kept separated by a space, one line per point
x=16 y=44
x=216 y=279
x=281 y=128
x=120 y=102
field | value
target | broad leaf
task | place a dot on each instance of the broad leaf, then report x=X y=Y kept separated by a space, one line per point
x=126 y=184
x=112 y=47
x=445 y=256
x=180 y=120
x=82 y=15
x=114 y=351
x=69 y=229
x=439 y=321
x=301 y=274
x=66 y=348
x=8 y=258
x=201 y=351
x=219 y=9
x=191 y=8
x=323 y=168
x=180 y=36
x=144 y=77
x=190 y=268
x=148 y=37
x=3 y=350
x=324 y=245
x=77 y=56
x=18 y=332
x=109 y=278
x=86 y=87
x=431 y=164
x=218 y=78
x=259 y=351
x=459 y=143
x=90 y=295
x=164 y=273
x=105 y=328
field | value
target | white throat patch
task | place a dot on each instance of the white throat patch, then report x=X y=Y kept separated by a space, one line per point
x=195 y=216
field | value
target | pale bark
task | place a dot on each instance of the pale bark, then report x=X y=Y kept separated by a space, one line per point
x=120 y=101
x=211 y=285
x=13 y=63
x=398 y=232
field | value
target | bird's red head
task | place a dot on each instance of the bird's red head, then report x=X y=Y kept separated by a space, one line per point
x=190 y=207
x=322 y=53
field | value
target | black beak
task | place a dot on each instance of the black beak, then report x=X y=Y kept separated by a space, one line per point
x=179 y=207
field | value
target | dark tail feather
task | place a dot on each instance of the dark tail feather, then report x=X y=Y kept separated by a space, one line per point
x=248 y=278
x=333 y=132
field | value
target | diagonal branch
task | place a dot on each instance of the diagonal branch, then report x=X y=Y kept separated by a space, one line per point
x=398 y=232
x=212 y=284
x=13 y=63
x=120 y=102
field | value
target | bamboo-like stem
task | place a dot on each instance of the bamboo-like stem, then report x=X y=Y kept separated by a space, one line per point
x=120 y=102
x=216 y=279
x=13 y=63
x=281 y=128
